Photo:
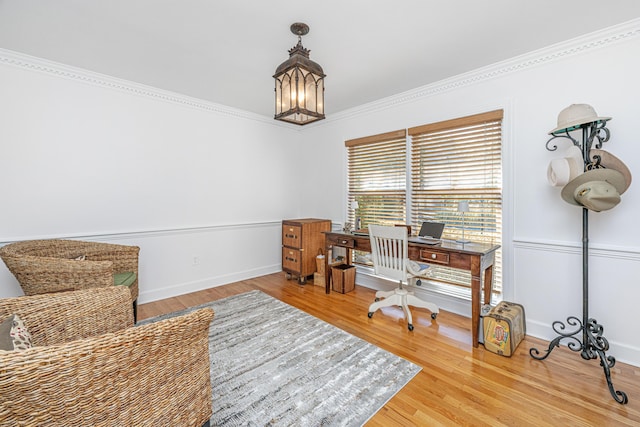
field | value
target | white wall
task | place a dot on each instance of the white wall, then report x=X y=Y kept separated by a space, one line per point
x=92 y=157
x=542 y=233
x=89 y=156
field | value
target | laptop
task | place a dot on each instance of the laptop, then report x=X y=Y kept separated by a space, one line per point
x=431 y=232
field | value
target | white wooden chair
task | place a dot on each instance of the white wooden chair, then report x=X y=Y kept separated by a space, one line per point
x=389 y=250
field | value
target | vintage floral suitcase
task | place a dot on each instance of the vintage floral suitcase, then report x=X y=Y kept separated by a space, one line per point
x=504 y=327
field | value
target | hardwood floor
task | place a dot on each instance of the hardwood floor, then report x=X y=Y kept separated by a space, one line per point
x=458 y=385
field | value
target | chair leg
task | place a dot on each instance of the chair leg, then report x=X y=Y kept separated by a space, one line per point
x=385 y=294
x=135 y=311
x=414 y=301
x=391 y=300
x=407 y=311
x=404 y=299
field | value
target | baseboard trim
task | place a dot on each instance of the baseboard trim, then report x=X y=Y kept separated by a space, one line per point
x=183 y=288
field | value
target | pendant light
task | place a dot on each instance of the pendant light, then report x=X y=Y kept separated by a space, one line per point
x=299 y=84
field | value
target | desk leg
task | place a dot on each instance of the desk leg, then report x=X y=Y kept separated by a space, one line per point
x=488 y=284
x=327 y=269
x=475 y=299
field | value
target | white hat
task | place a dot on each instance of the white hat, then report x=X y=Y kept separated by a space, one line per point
x=575 y=115
x=563 y=169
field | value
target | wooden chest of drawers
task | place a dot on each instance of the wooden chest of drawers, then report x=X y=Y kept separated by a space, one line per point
x=302 y=241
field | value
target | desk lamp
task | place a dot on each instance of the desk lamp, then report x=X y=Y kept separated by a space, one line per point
x=462 y=208
x=357 y=224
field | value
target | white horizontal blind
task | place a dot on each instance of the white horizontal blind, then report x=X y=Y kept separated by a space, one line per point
x=377 y=178
x=453 y=161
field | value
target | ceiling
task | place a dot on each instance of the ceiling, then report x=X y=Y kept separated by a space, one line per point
x=226 y=51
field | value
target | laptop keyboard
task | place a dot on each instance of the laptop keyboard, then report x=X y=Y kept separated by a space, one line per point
x=429 y=240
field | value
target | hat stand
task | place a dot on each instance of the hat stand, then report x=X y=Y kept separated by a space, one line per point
x=593 y=344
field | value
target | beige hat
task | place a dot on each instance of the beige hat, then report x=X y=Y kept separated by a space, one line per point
x=611 y=176
x=575 y=115
x=610 y=161
x=563 y=169
x=597 y=195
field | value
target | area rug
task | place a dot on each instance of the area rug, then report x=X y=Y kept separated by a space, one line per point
x=275 y=365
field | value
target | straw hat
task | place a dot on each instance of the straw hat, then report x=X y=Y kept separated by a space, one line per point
x=609 y=161
x=610 y=176
x=563 y=169
x=597 y=195
x=575 y=115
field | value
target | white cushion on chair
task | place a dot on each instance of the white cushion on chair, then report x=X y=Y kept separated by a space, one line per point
x=417 y=269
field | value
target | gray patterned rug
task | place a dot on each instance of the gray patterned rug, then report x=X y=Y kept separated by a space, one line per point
x=274 y=365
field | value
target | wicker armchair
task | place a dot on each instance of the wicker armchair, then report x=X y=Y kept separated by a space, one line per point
x=44 y=266
x=91 y=367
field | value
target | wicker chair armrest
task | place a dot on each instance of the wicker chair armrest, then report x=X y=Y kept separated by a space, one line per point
x=62 y=265
x=38 y=275
x=151 y=375
x=123 y=257
x=57 y=318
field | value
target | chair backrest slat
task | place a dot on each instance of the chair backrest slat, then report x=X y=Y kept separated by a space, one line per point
x=389 y=249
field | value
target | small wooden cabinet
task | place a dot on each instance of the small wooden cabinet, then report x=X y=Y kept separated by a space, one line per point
x=302 y=241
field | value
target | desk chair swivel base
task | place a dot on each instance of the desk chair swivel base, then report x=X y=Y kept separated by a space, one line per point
x=402 y=298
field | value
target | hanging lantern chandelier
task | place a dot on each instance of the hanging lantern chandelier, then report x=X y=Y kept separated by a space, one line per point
x=299 y=84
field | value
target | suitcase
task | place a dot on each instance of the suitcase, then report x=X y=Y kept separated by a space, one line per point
x=504 y=328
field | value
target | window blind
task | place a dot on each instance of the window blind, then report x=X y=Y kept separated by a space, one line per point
x=453 y=161
x=377 y=178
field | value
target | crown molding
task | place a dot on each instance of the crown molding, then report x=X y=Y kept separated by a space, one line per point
x=576 y=46
x=549 y=54
x=56 y=69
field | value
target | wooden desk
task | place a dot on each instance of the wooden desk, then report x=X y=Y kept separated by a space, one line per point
x=477 y=258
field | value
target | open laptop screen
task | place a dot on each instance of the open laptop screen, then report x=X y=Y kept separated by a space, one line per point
x=431 y=229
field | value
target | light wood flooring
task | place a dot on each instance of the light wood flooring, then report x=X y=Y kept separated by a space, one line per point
x=458 y=385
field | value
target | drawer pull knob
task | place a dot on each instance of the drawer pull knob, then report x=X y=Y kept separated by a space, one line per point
x=290 y=259
x=433 y=256
x=290 y=236
x=344 y=242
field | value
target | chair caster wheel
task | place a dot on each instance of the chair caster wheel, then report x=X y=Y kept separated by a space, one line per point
x=434 y=315
x=410 y=327
x=370 y=314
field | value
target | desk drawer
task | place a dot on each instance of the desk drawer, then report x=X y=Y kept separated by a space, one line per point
x=434 y=257
x=345 y=242
x=292 y=260
x=291 y=235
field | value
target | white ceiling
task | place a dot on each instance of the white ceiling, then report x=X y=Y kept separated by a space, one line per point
x=226 y=51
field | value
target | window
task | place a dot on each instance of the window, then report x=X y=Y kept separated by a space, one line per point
x=377 y=178
x=453 y=161
x=449 y=162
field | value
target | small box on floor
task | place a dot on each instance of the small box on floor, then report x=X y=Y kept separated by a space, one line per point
x=343 y=277
x=504 y=327
x=318 y=279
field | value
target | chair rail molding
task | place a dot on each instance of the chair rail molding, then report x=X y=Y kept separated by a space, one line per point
x=122 y=235
x=575 y=248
